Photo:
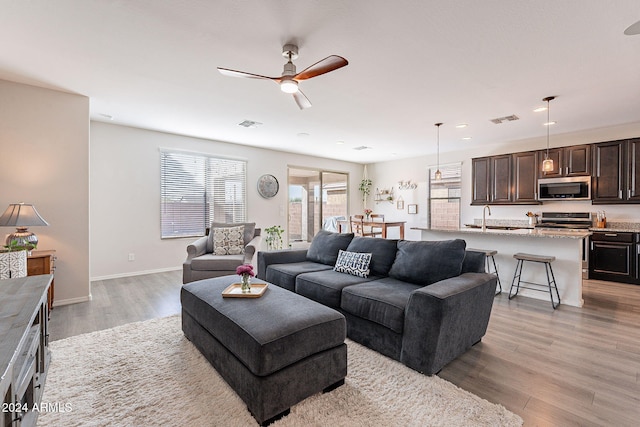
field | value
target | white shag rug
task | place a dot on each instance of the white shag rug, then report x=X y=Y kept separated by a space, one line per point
x=149 y=374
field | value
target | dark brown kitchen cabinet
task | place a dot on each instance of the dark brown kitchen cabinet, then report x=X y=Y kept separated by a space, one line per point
x=613 y=257
x=633 y=170
x=500 y=179
x=524 y=176
x=567 y=161
x=480 y=181
x=505 y=179
x=616 y=172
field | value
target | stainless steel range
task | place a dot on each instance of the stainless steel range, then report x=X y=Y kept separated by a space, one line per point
x=565 y=220
x=570 y=221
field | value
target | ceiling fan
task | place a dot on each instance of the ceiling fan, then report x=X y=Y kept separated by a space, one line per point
x=289 y=80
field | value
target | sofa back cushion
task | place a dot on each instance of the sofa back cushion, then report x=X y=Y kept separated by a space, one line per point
x=325 y=246
x=424 y=262
x=383 y=253
x=249 y=231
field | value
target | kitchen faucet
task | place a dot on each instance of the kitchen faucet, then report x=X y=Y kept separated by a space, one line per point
x=484 y=220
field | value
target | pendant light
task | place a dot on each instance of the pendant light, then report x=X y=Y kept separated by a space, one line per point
x=547 y=164
x=438 y=174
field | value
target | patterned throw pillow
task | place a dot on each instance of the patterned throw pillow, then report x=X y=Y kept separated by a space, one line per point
x=354 y=263
x=228 y=240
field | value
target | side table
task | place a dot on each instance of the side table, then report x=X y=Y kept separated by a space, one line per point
x=43 y=262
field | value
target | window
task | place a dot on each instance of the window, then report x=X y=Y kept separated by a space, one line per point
x=196 y=189
x=444 y=196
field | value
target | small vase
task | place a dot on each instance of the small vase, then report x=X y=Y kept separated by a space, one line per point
x=246 y=284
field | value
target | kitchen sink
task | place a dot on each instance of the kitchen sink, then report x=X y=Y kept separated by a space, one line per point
x=493 y=227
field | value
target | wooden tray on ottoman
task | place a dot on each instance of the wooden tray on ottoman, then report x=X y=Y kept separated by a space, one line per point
x=235 y=291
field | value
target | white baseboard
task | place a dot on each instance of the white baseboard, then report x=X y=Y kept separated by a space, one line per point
x=58 y=303
x=135 y=273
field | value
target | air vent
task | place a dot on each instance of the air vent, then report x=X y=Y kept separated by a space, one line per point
x=249 y=124
x=510 y=118
x=362 y=147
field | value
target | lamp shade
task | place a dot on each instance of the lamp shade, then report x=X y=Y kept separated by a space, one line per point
x=21 y=215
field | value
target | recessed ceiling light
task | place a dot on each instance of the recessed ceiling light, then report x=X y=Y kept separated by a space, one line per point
x=549 y=123
x=466 y=138
x=462 y=125
x=540 y=109
x=340 y=142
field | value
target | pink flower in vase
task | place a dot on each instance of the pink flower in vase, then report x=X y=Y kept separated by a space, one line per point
x=245 y=269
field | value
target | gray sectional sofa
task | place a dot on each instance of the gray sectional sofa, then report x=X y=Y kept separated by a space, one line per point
x=422 y=303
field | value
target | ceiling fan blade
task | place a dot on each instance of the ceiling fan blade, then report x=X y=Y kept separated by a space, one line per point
x=302 y=100
x=633 y=29
x=330 y=63
x=234 y=73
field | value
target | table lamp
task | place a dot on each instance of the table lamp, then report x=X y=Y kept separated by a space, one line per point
x=21 y=216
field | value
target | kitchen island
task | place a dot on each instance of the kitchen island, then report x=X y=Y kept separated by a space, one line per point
x=566 y=246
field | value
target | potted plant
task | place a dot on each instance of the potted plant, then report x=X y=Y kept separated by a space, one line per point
x=274 y=237
x=365 y=188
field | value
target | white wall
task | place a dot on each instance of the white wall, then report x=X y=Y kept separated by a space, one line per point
x=125 y=195
x=44 y=152
x=387 y=174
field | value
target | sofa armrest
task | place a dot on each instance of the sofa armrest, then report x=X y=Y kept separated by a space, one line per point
x=197 y=248
x=285 y=256
x=251 y=249
x=445 y=319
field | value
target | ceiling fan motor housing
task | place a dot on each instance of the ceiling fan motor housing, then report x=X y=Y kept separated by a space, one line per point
x=290 y=51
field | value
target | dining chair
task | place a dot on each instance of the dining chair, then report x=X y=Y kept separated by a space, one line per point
x=377 y=231
x=358 y=228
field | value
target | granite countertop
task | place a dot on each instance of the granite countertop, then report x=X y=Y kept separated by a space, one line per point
x=524 y=232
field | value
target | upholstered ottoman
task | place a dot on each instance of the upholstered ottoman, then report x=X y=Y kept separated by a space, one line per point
x=274 y=351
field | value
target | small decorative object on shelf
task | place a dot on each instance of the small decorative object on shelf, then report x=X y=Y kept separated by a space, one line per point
x=274 y=237
x=246 y=272
x=384 y=195
x=367 y=213
x=408 y=185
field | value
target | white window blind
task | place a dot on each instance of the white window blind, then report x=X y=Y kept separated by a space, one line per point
x=196 y=189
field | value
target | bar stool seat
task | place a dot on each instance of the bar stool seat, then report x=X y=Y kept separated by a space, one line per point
x=551 y=280
x=490 y=253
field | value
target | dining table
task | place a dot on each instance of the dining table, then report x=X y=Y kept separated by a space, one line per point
x=344 y=226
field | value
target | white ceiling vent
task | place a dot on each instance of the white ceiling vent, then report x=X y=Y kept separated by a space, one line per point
x=249 y=124
x=362 y=147
x=510 y=118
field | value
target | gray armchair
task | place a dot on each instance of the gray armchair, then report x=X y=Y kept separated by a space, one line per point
x=207 y=257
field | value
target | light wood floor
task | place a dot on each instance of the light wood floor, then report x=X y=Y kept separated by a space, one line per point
x=568 y=367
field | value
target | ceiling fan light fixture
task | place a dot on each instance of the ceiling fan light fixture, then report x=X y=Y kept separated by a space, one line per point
x=289 y=86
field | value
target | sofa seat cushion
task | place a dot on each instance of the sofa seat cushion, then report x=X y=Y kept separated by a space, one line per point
x=381 y=301
x=325 y=246
x=383 y=252
x=284 y=275
x=211 y=262
x=427 y=262
x=326 y=286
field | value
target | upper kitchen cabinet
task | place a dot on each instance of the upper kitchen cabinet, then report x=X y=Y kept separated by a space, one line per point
x=524 y=176
x=504 y=179
x=616 y=176
x=567 y=161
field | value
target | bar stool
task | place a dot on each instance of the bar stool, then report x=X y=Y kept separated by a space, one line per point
x=490 y=253
x=551 y=280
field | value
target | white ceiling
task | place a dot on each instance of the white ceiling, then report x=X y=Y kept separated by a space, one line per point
x=152 y=64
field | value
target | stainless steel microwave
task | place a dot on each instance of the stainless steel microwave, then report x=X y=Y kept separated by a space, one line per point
x=571 y=188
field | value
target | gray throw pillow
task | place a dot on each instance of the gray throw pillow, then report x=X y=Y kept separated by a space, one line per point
x=353 y=263
x=383 y=252
x=424 y=262
x=325 y=246
x=228 y=240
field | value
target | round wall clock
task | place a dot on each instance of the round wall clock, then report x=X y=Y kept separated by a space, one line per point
x=268 y=186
